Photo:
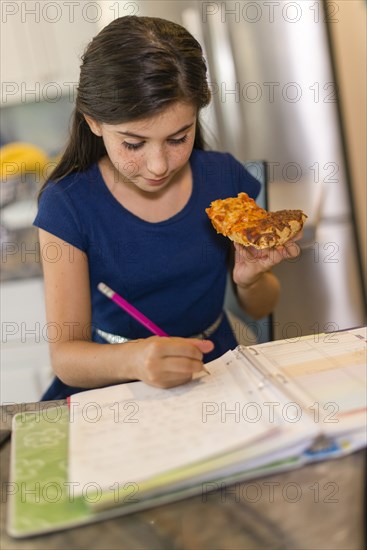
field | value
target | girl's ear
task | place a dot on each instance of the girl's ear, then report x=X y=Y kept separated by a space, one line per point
x=93 y=125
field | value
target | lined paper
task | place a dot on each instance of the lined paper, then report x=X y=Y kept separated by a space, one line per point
x=136 y=425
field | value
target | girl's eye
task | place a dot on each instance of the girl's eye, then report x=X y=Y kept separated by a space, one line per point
x=135 y=146
x=179 y=140
x=132 y=146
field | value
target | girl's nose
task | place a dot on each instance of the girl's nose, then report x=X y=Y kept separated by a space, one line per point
x=157 y=164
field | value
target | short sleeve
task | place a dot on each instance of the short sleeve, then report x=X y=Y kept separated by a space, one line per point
x=58 y=215
x=243 y=180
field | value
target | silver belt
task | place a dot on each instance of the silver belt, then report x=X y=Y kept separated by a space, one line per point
x=115 y=339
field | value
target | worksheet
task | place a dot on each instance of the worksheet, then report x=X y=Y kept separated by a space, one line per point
x=329 y=371
x=286 y=390
x=119 y=434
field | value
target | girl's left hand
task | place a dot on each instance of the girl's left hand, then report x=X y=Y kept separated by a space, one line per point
x=251 y=263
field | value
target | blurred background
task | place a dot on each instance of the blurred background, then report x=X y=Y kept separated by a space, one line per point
x=288 y=82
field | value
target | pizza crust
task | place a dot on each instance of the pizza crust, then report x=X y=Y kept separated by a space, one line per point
x=243 y=221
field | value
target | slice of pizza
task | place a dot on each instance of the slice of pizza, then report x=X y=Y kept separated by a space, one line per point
x=243 y=221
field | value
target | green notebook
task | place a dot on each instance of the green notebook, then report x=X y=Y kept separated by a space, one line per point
x=40 y=496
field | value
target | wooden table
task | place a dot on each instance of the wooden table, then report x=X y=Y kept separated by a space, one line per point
x=320 y=506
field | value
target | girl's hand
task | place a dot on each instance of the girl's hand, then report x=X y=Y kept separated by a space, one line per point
x=251 y=263
x=167 y=362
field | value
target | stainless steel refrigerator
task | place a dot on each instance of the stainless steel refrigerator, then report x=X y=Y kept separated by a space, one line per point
x=275 y=99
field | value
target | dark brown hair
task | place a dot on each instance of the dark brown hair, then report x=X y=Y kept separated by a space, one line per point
x=134 y=68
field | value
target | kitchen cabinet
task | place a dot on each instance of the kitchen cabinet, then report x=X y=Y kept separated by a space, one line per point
x=25 y=363
x=41 y=45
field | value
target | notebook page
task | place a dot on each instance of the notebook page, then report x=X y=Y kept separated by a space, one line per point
x=329 y=370
x=133 y=432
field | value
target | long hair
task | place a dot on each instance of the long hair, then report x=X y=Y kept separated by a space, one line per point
x=133 y=69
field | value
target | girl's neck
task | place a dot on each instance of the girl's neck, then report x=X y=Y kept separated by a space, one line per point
x=151 y=207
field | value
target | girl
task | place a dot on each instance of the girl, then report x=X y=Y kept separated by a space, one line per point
x=126 y=206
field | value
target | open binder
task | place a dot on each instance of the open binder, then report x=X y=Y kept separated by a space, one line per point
x=263 y=409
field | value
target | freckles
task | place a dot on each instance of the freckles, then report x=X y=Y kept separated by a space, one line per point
x=179 y=157
x=130 y=168
x=133 y=166
x=130 y=162
x=182 y=156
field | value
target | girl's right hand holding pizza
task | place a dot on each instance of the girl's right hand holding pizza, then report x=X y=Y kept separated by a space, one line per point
x=165 y=362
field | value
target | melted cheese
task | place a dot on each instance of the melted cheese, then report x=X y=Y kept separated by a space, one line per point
x=243 y=221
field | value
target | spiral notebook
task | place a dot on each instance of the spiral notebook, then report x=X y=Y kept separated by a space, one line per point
x=116 y=450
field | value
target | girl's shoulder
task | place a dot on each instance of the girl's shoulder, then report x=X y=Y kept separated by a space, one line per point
x=219 y=162
x=66 y=207
x=223 y=169
x=73 y=184
x=207 y=157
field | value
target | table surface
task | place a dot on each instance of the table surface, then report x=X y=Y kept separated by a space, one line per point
x=319 y=506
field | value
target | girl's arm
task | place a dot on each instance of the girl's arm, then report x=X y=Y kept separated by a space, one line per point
x=257 y=288
x=259 y=298
x=76 y=360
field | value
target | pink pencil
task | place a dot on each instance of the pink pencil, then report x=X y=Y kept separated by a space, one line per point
x=131 y=310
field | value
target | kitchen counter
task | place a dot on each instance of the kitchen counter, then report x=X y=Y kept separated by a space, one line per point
x=21 y=255
x=25 y=363
x=316 y=507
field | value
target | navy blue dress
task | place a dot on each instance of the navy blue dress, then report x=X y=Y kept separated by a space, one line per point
x=174 y=271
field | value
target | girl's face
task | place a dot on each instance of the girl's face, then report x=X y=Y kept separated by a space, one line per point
x=149 y=153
